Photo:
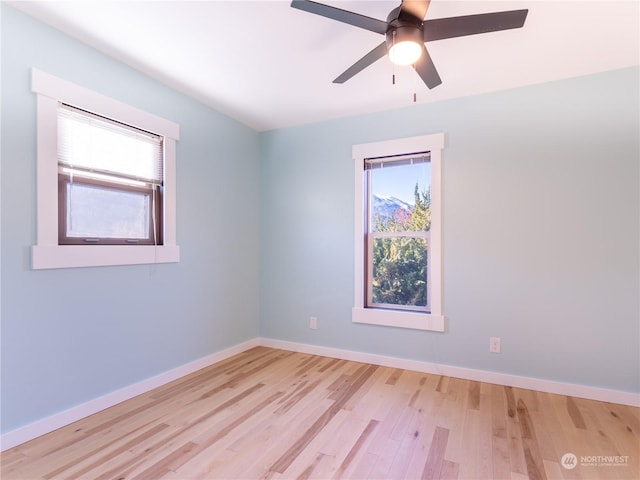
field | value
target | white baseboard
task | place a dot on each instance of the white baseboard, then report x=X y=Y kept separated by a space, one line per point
x=58 y=420
x=549 y=386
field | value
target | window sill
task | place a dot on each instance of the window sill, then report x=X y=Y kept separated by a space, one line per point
x=74 y=256
x=395 y=318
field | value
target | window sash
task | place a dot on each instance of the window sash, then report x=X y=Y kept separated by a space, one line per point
x=371 y=237
x=154 y=217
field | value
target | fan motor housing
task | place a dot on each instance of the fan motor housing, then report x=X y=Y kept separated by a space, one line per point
x=399 y=17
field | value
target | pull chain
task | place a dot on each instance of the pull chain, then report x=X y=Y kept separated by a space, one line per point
x=414 y=93
x=393 y=65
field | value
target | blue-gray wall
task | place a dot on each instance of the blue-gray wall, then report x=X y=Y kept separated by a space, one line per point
x=541 y=221
x=69 y=336
x=541 y=244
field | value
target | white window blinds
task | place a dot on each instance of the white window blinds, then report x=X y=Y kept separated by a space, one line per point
x=88 y=143
x=397 y=160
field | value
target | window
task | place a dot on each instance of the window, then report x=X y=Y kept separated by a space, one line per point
x=109 y=181
x=398 y=221
x=398 y=270
x=105 y=180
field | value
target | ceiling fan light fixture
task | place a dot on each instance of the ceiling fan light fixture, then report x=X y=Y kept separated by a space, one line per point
x=405 y=45
x=405 y=53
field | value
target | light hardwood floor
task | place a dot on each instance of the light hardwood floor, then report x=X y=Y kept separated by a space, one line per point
x=269 y=413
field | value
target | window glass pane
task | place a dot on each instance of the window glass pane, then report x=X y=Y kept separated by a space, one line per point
x=98 y=212
x=400 y=197
x=400 y=271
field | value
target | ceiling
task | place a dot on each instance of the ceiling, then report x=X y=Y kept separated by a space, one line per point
x=270 y=66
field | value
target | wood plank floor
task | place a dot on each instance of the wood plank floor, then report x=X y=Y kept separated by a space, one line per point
x=274 y=414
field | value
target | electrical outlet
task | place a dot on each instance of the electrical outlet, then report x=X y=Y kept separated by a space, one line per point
x=313 y=323
x=494 y=344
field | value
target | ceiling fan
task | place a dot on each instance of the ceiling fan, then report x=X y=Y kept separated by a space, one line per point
x=406 y=32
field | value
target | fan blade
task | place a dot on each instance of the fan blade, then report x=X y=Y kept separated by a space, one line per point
x=427 y=70
x=344 y=16
x=416 y=8
x=440 y=28
x=374 y=55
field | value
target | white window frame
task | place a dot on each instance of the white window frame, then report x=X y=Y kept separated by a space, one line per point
x=435 y=320
x=47 y=253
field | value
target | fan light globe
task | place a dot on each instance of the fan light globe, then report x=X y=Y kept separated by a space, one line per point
x=405 y=53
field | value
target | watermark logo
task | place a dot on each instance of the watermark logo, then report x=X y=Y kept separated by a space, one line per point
x=569 y=461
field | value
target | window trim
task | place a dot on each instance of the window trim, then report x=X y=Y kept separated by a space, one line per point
x=47 y=253
x=434 y=321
